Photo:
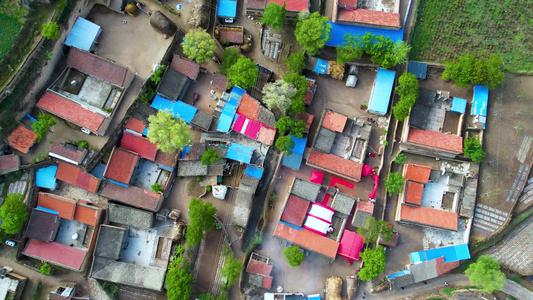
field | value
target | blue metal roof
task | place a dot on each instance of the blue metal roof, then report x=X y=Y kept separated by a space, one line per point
x=321 y=66
x=290 y=225
x=237 y=92
x=293 y=161
x=178 y=109
x=299 y=145
x=339 y=30
x=458 y=105
x=226 y=116
x=254 y=172
x=227 y=8
x=46 y=177
x=399 y=273
x=381 y=93
x=184 y=152
x=145 y=131
x=314 y=297
x=450 y=254
x=83 y=34
x=118 y=183
x=480 y=100
x=418 y=68
x=48 y=210
x=240 y=153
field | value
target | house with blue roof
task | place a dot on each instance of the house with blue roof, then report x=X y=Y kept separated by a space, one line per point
x=479 y=106
x=46 y=177
x=183 y=111
x=295 y=158
x=83 y=34
x=381 y=92
x=227 y=9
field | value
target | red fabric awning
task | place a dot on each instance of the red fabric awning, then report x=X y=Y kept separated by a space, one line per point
x=351 y=245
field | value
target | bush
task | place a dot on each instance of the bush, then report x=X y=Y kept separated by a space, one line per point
x=294 y=255
x=148 y=96
x=156 y=188
x=51 y=31
x=45 y=269
x=208 y=188
x=209 y=157
x=394 y=183
x=158 y=73
x=472 y=149
x=83 y=144
x=400 y=159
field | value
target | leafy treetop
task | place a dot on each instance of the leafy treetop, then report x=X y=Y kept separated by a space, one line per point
x=229 y=58
x=351 y=48
x=13 y=213
x=209 y=157
x=294 y=255
x=374 y=229
x=485 y=273
x=243 y=73
x=394 y=183
x=179 y=278
x=287 y=125
x=158 y=74
x=472 y=149
x=295 y=63
x=201 y=219
x=198 y=45
x=469 y=70
x=278 y=95
x=168 y=132
x=274 y=15
x=374 y=263
x=407 y=89
x=301 y=84
x=313 y=33
x=45 y=122
x=284 y=143
x=231 y=270
x=51 y=31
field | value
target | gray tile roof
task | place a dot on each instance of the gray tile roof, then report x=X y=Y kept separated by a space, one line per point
x=250 y=181
x=398 y=282
x=469 y=199
x=242 y=209
x=147 y=277
x=191 y=168
x=267 y=117
x=424 y=270
x=360 y=218
x=129 y=216
x=173 y=84
x=202 y=120
x=343 y=203
x=109 y=243
x=324 y=140
x=306 y=190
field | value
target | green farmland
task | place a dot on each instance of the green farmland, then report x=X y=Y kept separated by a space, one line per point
x=447 y=29
x=10 y=29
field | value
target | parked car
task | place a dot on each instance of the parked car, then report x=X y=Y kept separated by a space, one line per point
x=195 y=97
x=10 y=243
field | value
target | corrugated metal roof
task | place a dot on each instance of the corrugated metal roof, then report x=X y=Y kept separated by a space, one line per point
x=418 y=68
x=46 y=177
x=178 y=109
x=237 y=93
x=480 y=100
x=381 y=93
x=83 y=34
x=240 y=153
x=227 y=8
x=226 y=116
x=254 y=172
x=458 y=105
x=293 y=161
x=450 y=254
x=321 y=66
x=339 y=30
x=299 y=145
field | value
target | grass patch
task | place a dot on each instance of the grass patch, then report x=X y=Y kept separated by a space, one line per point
x=449 y=290
x=8 y=34
x=446 y=30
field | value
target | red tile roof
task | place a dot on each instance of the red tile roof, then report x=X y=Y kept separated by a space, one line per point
x=121 y=165
x=393 y=241
x=295 y=211
x=443 y=267
x=9 y=162
x=352 y=3
x=65 y=207
x=233 y=35
x=372 y=17
x=258 y=267
x=310 y=92
x=334 y=121
x=436 y=140
x=249 y=107
x=307 y=118
x=133 y=196
x=59 y=150
x=308 y=240
x=70 y=111
x=22 y=139
x=77 y=177
x=168 y=159
x=366 y=207
x=56 y=253
x=87 y=215
x=138 y=144
x=267 y=282
x=255 y=4
x=97 y=66
x=345 y=168
x=220 y=81
x=429 y=216
x=418 y=173
x=186 y=67
x=135 y=125
x=292 y=5
x=413 y=195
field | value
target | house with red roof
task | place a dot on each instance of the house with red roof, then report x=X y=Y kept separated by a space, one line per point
x=75 y=176
x=371 y=13
x=255 y=121
x=87 y=91
x=9 y=163
x=62 y=231
x=68 y=152
x=259 y=268
x=293 y=7
x=22 y=139
x=185 y=66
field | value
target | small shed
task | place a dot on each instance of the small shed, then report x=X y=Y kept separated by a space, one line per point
x=240 y=153
x=46 y=177
x=458 y=105
x=418 y=68
x=83 y=34
x=351 y=245
x=227 y=9
x=479 y=105
x=381 y=92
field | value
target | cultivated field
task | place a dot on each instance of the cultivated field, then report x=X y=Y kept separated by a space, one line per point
x=8 y=34
x=448 y=29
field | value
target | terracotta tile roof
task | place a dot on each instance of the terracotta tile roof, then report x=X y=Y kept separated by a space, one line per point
x=56 y=253
x=60 y=151
x=418 y=173
x=309 y=98
x=138 y=144
x=133 y=196
x=334 y=121
x=77 y=177
x=121 y=165
x=445 y=267
x=231 y=35
x=220 y=81
x=413 y=195
x=351 y=3
x=307 y=118
x=293 y=5
x=9 y=163
x=70 y=111
x=168 y=159
x=266 y=135
x=97 y=66
x=429 y=216
x=85 y=214
x=310 y=92
x=372 y=17
x=308 y=240
x=393 y=241
x=295 y=211
x=65 y=207
x=348 y=169
x=437 y=140
x=249 y=107
x=22 y=138
x=186 y=67
x=255 y=4
x=366 y=207
x=258 y=267
x=267 y=282
x=135 y=125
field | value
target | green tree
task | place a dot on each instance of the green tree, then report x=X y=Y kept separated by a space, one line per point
x=460 y=72
x=284 y=143
x=295 y=62
x=298 y=128
x=45 y=122
x=294 y=255
x=243 y=73
x=279 y=95
x=45 y=269
x=374 y=229
x=198 y=45
x=158 y=74
x=201 y=219
x=231 y=270
x=51 y=31
x=485 y=273
x=179 y=280
x=397 y=54
x=156 y=188
x=469 y=70
x=13 y=213
x=229 y=58
x=313 y=33
x=351 y=48
x=407 y=89
x=274 y=15
x=374 y=263
x=284 y=125
x=209 y=157
x=401 y=110
x=472 y=149
x=400 y=159
x=168 y=132
x=207 y=297
x=301 y=84
x=394 y=183
x=495 y=75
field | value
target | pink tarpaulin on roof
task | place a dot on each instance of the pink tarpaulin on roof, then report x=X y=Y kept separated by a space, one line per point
x=252 y=129
x=239 y=122
x=316 y=177
x=351 y=245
